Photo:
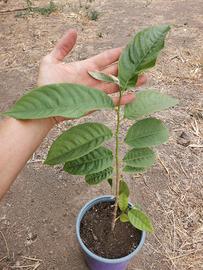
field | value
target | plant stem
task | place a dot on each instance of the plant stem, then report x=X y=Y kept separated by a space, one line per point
x=117 y=164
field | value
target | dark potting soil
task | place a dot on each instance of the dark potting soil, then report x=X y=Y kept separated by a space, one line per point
x=95 y=231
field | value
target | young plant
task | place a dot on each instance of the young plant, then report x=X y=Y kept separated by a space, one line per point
x=80 y=149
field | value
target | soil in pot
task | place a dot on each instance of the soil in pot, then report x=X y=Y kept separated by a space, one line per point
x=95 y=231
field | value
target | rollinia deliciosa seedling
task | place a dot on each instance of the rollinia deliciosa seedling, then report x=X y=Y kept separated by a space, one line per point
x=80 y=149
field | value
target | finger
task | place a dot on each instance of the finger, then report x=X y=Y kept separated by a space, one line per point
x=124 y=100
x=64 y=45
x=106 y=58
x=109 y=88
x=111 y=70
x=141 y=80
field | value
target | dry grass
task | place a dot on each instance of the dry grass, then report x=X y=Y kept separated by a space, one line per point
x=181 y=225
x=180 y=206
x=27 y=263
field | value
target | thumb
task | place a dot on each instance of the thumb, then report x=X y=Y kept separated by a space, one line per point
x=64 y=45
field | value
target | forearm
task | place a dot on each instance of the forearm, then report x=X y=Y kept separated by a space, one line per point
x=18 y=141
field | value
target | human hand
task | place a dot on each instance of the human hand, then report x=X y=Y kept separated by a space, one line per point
x=54 y=70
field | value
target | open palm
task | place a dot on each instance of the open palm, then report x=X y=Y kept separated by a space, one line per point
x=54 y=70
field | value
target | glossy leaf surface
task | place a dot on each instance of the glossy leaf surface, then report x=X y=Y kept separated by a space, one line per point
x=96 y=178
x=123 y=202
x=130 y=169
x=95 y=161
x=124 y=188
x=140 y=54
x=143 y=157
x=67 y=100
x=147 y=132
x=148 y=102
x=77 y=142
x=140 y=220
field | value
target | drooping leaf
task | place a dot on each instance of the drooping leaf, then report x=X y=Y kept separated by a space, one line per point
x=130 y=169
x=140 y=54
x=67 y=100
x=148 y=102
x=123 y=202
x=77 y=142
x=124 y=217
x=110 y=181
x=124 y=188
x=147 y=132
x=104 y=77
x=96 y=178
x=95 y=161
x=143 y=157
x=140 y=220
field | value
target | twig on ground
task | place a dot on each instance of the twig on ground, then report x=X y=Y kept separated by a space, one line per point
x=36 y=266
x=164 y=166
x=186 y=254
x=13 y=10
x=196 y=145
x=6 y=244
x=181 y=166
x=5 y=257
x=33 y=266
x=23 y=266
x=144 y=180
x=31 y=259
x=195 y=128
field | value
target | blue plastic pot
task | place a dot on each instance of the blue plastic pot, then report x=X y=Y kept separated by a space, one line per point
x=96 y=262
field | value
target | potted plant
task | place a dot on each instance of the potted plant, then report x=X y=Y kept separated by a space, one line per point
x=110 y=229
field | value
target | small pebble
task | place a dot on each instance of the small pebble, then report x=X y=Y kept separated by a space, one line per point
x=184 y=139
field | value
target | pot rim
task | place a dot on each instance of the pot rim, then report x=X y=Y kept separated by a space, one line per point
x=82 y=212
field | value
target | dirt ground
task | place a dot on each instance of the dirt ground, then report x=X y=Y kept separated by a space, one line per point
x=37 y=216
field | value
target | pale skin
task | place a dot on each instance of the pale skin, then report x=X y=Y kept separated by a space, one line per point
x=20 y=139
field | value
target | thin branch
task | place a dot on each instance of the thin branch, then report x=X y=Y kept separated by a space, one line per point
x=13 y=10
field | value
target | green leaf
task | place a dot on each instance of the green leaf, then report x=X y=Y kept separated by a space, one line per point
x=143 y=157
x=148 y=102
x=77 y=142
x=95 y=161
x=104 y=77
x=67 y=100
x=123 y=202
x=147 y=132
x=140 y=220
x=110 y=181
x=130 y=169
x=96 y=178
x=124 y=217
x=140 y=54
x=124 y=188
